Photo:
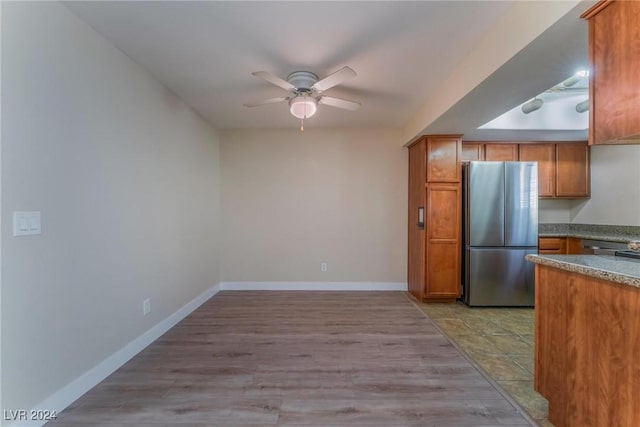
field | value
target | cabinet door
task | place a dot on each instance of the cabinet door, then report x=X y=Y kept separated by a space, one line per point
x=417 y=180
x=572 y=170
x=443 y=159
x=545 y=155
x=472 y=152
x=552 y=245
x=614 y=53
x=574 y=246
x=501 y=152
x=443 y=241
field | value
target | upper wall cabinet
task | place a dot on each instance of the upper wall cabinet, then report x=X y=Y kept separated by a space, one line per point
x=472 y=151
x=501 y=152
x=545 y=155
x=443 y=158
x=572 y=170
x=563 y=168
x=614 y=89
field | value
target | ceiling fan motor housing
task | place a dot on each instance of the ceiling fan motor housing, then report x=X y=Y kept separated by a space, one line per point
x=302 y=80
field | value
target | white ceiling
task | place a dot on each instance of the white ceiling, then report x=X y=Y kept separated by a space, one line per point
x=205 y=52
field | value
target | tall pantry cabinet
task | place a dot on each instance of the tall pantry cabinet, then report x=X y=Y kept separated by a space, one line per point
x=434 y=217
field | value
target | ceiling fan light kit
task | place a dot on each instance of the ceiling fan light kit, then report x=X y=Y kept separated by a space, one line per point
x=307 y=92
x=303 y=107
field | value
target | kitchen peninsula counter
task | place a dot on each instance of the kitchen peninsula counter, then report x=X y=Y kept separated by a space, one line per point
x=615 y=269
x=587 y=339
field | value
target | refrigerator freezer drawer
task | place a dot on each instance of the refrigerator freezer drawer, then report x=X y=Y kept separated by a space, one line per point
x=499 y=277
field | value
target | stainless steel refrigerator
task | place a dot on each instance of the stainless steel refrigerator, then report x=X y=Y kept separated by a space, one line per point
x=500 y=227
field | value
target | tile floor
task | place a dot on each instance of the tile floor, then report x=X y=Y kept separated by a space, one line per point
x=500 y=341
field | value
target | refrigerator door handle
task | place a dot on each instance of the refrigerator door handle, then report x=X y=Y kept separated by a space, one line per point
x=421 y=218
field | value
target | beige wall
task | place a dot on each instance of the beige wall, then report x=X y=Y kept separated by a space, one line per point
x=127 y=180
x=615 y=191
x=615 y=187
x=554 y=211
x=292 y=200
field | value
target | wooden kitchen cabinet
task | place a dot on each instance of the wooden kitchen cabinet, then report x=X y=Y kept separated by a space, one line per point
x=552 y=245
x=443 y=158
x=559 y=246
x=472 y=152
x=443 y=241
x=434 y=249
x=563 y=167
x=416 y=247
x=545 y=155
x=501 y=152
x=572 y=170
x=586 y=349
x=614 y=86
x=574 y=246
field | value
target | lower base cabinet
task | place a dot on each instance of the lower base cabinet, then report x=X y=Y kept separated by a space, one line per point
x=559 y=246
x=587 y=342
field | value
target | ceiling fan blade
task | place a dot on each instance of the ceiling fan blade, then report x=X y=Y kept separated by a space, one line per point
x=343 y=74
x=340 y=103
x=274 y=80
x=267 y=101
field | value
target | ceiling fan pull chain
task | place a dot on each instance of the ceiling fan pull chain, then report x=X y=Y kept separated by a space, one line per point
x=302 y=124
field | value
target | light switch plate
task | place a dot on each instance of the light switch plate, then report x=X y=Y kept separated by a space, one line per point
x=26 y=223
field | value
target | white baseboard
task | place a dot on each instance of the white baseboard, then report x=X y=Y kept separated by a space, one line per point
x=72 y=391
x=313 y=286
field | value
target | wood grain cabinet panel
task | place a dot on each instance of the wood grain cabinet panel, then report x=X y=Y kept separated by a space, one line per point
x=545 y=155
x=472 y=152
x=563 y=167
x=416 y=247
x=443 y=241
x=614 y=54
x=443 y=158
x=552 y=245
x=572 y=170
x=434 y=252
x=574 y=246
x=501 y=152
x=587 y=341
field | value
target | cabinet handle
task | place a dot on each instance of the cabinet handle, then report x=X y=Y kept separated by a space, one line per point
x=421 y=218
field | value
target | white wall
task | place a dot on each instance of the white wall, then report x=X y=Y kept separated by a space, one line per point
x=615 y=187
x=292 y=200
x=127 y=179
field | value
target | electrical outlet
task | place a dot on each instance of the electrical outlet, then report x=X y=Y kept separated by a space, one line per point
x=323 y=266
x=146 y=306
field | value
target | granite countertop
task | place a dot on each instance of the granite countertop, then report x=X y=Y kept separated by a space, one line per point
x=610 y=233
x=611 y=268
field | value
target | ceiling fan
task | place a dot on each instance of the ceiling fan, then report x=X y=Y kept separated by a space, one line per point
x=307 y=92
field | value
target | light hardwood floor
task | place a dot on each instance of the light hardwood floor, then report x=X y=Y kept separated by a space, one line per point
x=297 y=359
